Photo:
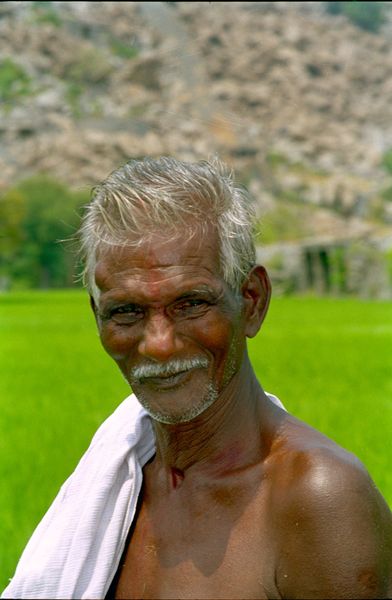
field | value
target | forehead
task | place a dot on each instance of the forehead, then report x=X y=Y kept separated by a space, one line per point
x=159 y=264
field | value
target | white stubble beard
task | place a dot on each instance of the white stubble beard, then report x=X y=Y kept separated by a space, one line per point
x=172 y=367
x=187 y=415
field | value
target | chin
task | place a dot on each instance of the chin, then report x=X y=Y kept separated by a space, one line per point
x=175 y=416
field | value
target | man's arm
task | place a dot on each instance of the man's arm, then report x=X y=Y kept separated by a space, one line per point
x=336 y=531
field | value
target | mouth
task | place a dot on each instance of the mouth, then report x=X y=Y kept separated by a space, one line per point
x=169 y=375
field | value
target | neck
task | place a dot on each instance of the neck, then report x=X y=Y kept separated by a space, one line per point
x=223 y=439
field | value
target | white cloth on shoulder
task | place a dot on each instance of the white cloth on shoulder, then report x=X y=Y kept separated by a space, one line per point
x=76 y=548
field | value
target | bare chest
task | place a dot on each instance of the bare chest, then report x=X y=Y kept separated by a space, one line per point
x=213 y=546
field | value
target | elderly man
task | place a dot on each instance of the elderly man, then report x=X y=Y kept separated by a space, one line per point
x=200 y=485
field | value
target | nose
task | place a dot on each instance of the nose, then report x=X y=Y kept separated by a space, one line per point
x=159 y=341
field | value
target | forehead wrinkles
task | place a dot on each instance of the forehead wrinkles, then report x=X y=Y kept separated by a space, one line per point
x=159 y=285
x=161 y=250
x=107 y=277
x=161 y=262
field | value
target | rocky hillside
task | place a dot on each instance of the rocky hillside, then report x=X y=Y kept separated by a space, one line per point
x=299 y=102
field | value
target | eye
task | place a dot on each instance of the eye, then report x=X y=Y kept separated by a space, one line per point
x=126 y=315
x=191 y=306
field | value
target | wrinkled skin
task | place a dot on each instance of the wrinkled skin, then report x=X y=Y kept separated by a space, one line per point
x=241 y=500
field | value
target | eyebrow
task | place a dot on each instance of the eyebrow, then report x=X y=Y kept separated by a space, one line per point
x=204 y=291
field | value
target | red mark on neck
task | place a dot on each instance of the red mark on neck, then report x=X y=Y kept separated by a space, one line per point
x=177 y=477
x=229 y=459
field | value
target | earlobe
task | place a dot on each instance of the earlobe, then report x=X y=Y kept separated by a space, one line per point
x=256 y=292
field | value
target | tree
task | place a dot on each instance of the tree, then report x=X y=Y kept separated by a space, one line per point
x=366 y=15
x=38 y=215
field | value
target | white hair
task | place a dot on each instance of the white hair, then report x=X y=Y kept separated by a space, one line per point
x=167 y=195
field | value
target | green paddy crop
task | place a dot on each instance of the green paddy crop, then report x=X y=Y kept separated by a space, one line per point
x=329 y=361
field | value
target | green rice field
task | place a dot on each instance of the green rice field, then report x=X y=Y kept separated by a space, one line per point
x=329 y=361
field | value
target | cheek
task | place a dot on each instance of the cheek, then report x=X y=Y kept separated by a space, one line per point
x=224 y=339
x=217 y=335
x=117 y=341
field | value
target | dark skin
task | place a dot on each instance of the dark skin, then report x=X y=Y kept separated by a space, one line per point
x=242 y=500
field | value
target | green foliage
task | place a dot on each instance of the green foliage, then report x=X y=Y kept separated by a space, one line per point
x=45 y=12
x=387 y=161
x=12 y=213
x=282 y=224
x=388 y=259
x=73 y=96
x=37 y=215
x=338 y=270
x=276 y=159
x=119 y=48
x=14 y=81
x=366 y=15
x=387 y=193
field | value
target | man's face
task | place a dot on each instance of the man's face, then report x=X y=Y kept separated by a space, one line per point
x=171 y=323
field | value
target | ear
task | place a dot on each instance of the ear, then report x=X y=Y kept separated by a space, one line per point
x=256 y=294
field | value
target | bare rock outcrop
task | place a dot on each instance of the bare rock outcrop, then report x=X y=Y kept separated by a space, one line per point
x=297 y=101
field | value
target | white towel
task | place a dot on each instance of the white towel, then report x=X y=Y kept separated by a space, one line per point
x=76 y=548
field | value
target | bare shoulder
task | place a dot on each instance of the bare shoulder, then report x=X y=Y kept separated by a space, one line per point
x=333 y=527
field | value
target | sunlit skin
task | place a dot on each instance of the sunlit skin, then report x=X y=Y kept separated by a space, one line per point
x=241 y=500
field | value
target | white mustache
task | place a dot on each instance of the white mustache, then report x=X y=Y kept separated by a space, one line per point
x=172 y=367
